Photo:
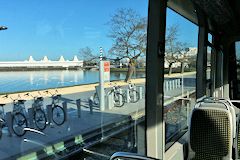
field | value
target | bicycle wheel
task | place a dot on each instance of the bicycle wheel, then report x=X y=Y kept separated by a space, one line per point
x=19 y=122
x=58 y=115
x=118 y=100
x=133 y=96
x=40 y=119
x=96 y=99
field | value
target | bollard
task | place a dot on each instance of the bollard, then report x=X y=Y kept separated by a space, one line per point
x=140 y=92
x=9 y=123
x=78 y=102
x=173 y=84
x=49 y=113
x=167 y=85
x=64 y=104
x=170 y=85
x=90 y=101
x=178 y=84
x=120 y=98
x=127 y=96
x=31 y=117
x=110 y=101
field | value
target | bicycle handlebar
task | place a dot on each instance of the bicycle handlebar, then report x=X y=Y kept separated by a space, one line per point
x=7 y=96
x=28 y=94
x=52 y=94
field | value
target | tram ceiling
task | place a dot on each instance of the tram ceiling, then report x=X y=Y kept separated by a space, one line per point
x=223 y=16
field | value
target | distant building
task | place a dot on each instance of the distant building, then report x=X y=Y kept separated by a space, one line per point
x=44 y=63
x=191 y=53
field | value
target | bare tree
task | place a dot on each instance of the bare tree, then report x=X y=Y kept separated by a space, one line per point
x=87 y=55
x=175 y=51
x=183 y=56
x=128 y=31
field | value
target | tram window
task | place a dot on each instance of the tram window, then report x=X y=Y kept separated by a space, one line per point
x=55 y=45
x=180 y=74
x=209 y=37
x=237 y=44
x=208 y=71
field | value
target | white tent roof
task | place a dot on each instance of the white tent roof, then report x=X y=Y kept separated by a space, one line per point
x=30 y=59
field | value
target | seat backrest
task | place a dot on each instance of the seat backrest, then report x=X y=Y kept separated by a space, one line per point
x=237 y=155
x=211 y=131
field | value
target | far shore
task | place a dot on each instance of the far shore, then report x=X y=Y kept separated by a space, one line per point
x=80 y=88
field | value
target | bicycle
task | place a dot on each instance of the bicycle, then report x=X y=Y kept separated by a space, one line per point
x=118 y=98
x=19 y=120
x=133 y=94
x=58 y=113
x=39 y=115
x=2 y=118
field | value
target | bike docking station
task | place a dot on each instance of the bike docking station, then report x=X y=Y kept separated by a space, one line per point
x=31 y=117
x=9 y=123
x=104 y=76
x=49 y=115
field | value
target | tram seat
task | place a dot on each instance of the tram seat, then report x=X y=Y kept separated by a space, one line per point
x=212 y=130
x=238 y=138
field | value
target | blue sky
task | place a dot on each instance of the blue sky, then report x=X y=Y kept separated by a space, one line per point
x=62 y=27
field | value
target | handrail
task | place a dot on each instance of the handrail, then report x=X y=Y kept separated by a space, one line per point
x=128 y=155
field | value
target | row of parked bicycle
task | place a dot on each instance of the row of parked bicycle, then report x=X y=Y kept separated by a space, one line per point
x=19 y=122
x=119 y=97
x=19 y=117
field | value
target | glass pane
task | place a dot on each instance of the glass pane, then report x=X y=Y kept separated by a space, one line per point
x=180 y=74
x=208 y=71
x=210 y=37
x=237 y=44
x=50 y=102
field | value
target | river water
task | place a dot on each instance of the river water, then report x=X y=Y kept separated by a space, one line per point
x=35 y=80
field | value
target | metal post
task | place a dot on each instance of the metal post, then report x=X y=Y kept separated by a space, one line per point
x=78 y=102
x=49 y=113
x=64 y=104
x=120 y=97
x=140 y=92
x=134 y=94
x=189 y=108
x=179 y=83
x=101 y=82
x=167 y=85
x=173 y=84
x=90 y=101
x=176 y=83
x=170 y=85
x=110 y=101
x=127 y=96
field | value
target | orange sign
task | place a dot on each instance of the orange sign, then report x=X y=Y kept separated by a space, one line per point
x=106 y=66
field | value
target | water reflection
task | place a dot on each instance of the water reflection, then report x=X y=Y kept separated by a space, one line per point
x=34 y=80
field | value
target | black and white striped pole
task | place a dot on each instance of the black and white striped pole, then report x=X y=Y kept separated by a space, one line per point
x=101 y=81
